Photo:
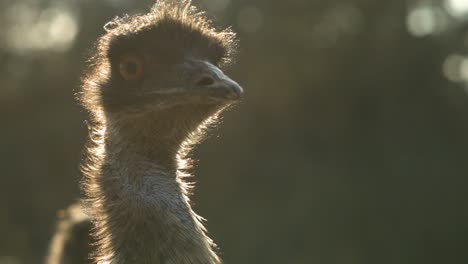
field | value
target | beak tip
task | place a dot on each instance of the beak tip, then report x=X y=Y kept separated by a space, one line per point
x=234 y=90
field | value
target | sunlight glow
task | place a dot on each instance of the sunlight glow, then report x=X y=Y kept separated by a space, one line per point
x=54 y=28
x=455 y=68
x=457 y=8
x=421 y=21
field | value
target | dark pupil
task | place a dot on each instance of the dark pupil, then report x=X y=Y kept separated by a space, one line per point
x=132 y=68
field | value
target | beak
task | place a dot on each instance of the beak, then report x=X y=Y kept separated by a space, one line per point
x=211 y=81
x=204 y=80
x=201 y=80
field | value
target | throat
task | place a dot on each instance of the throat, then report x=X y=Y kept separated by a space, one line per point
x=139 y=202
x=162 y=138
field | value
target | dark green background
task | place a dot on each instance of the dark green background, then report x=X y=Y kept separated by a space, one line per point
x=350 y=146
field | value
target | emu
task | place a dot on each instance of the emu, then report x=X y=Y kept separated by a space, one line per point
x=152 y=88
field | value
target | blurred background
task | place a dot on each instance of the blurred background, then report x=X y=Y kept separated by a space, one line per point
x=350 y=146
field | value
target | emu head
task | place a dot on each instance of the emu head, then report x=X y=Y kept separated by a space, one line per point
x=164 y=67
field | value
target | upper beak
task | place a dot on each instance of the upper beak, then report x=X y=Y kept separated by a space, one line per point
x=210 y=80
x=200 y=79
x=219 y=86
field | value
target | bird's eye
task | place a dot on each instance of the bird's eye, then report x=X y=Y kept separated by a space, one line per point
x=131 y=67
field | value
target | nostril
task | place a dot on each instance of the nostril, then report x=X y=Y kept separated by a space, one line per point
x=205 y=81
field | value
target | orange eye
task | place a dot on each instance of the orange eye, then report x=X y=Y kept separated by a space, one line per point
x=131 y=67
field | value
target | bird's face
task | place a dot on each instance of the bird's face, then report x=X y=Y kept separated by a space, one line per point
x=158 y=71
x=143 y=81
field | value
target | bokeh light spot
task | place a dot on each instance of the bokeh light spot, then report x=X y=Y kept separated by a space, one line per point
x=455 y=68
x=54 y=28
x=457 y=8
x=426 y=20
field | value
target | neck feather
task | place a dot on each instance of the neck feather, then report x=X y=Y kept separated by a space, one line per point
x=137 y=196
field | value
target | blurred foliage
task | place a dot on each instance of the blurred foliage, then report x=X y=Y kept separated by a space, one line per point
x=350 y=146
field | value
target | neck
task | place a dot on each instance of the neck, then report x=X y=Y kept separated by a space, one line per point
x=138 y=198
